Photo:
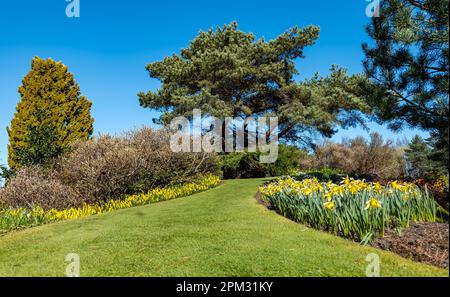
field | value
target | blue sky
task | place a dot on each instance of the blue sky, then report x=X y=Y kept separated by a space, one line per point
x=108 y=47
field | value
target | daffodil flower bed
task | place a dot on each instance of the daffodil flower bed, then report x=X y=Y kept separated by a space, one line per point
x=354 y=208
x=12 y=219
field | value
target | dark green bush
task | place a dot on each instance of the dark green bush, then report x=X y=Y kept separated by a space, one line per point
x=323 y=175
x=334 y=175
x=248 y=165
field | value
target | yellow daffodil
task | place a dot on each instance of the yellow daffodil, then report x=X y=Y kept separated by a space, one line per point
x=377 y=187
x=373 y=203
x=395 y=185
x=346 y=180
x=405 y=197
x=329 y=205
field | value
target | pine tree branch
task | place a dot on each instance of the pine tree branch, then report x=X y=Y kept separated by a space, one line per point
x=406 y=100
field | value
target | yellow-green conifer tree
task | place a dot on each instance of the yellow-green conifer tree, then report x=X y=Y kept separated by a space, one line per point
x=50 y=116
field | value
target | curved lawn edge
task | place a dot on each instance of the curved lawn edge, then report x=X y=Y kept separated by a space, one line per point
x=22 y=218
x=220 y=232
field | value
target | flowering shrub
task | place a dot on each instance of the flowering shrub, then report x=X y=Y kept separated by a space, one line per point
x=11 y=219
x=354 y=208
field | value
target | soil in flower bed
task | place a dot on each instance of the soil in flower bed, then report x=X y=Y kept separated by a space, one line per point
x=422 y=242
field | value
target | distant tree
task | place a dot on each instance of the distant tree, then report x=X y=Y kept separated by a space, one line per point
x=417 y=154
x=439 y=142
x=50 y=116
x=408 y=67
x=228 y=73
x=5 y=175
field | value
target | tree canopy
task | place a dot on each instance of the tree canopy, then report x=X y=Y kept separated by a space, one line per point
x=407 y=65
x=229 y=73
x=50 y=116
x=410 y=61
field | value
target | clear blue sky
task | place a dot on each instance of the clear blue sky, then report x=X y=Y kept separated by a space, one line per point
x=108 y=47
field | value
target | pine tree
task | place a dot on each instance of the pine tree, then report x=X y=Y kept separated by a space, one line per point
x=417 y=154
x=50 y=116
x=408 y=66
x=409 y=59
x=439 y=156
x=229 y=73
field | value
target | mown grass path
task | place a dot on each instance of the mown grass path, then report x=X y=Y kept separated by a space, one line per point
x=221 y=232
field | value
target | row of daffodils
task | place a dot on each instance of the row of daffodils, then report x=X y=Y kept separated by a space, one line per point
x=12 y=219
x=354 y=208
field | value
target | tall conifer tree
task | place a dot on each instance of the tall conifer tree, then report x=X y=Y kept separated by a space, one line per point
x=50 y=116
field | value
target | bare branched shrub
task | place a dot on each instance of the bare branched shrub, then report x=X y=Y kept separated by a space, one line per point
x=102 y=168
x=358 y=156
x=36 y=186
x=107 y=168
x=331 y=155
x=3 y=203
x=162 y=165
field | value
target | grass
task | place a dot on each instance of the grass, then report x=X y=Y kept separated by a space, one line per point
x=221 y=232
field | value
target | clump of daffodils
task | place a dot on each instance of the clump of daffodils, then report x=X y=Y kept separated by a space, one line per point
x=352 y=208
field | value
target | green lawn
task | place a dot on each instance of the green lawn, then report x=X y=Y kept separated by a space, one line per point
x=221 y=232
